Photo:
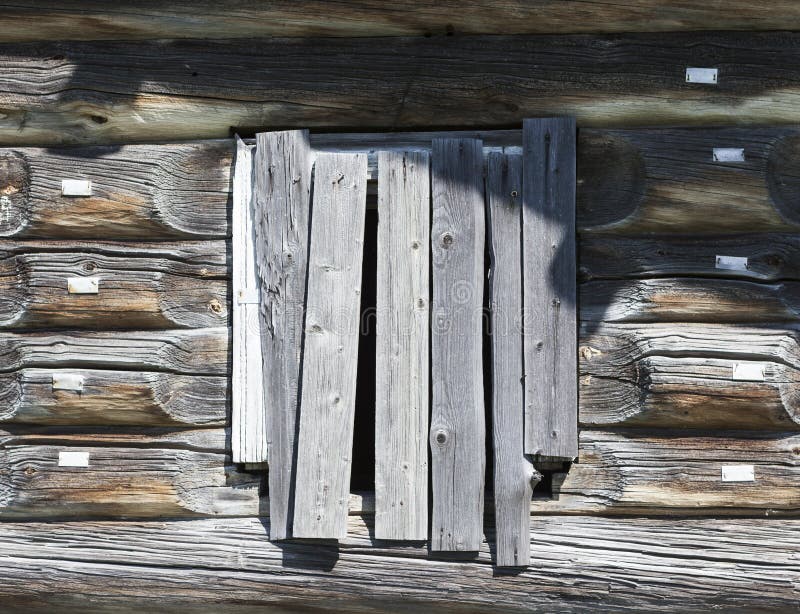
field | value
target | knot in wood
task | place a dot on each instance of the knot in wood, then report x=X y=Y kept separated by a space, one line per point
x=215 y=306
x=447 y=240
x=441 y=437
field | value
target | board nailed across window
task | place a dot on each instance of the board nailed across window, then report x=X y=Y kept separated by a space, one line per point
x=299 y=233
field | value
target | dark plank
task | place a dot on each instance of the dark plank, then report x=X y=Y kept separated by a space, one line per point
x=513 y=471
x=457 y=413
x=402 y=342
x=330 y=349
x=550 y=297
x=59 y=92
x=282 y=171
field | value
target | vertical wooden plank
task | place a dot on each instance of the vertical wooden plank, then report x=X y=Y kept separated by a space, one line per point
x=513 y=470
x=402 y=309
x=282 y=188
x=458 y=426
x=550 y=339
x=248 y=418
x=330 y=352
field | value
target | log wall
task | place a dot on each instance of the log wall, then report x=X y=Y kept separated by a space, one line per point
x=161 y=518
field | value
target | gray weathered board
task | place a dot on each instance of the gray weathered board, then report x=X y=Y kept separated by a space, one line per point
x=248 y=417
x=549 y=277
x=457 y=414
x=402 y=337
x=513 y=470
x=330 y=349
x=282 y=167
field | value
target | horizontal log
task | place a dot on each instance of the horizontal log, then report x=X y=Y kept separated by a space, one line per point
x=96 y=20
x=133 y=292
x=29 y=396
x=689 y=300
x=667 y=180
x=129 y=482
x=683 y=376
x=770 y=257
x=188 y=352
x=581 y=565
x=95 y=92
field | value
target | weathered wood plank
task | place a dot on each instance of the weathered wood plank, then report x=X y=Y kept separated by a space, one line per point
x=514 y=474
x=549 y=287
x=282 y=171
x=458 y=427
x=667 y=180
x=689 y=300
x=248 y=414
x=675 y=377
x=402 y=342
x=585 y=564
x=59 y=93
x=129 y=482
x=189 y=352
x=769 y=257
x=330 y=349
x=133 y=292
x=95 y=20
x=159 y=191
x=113 y=397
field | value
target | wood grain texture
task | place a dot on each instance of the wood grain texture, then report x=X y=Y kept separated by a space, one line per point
x=129 y=482
x=149 y=19
x=402 y=403
x=282 y=175
x=667 y=181
x=188 y=352
x=514 y=475
x=134 y=292
x=770 y=257
x=113 y=398
x=330 y=348
x=58 y=93
x=549 y=287
x=689 y=300
x=668 y=376
x=458 y=429
x=584 y=563
x=159 y=191
x=216 y=440
x=248 y=413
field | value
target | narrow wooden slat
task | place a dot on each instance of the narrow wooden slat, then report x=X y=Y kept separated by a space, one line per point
x=248 y=416
x=330 y=352
x=402 y=331
x=457 y=422
x=548 y=248
x=513 y=471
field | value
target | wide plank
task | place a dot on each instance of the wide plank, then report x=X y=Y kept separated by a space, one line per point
x=458 y=429
x=514 y=475
x=549 y=287
x=37 y=396
x=402 y=359
x=330 y=349
x=188 y=352
x=58 y=92
x=584 y=563
x=282 y=187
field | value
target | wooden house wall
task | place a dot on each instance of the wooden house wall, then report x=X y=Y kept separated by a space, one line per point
x=162 y=519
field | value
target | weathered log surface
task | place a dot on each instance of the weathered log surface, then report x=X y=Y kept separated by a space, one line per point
x=148 y=19
x=189 y=352
x=73 y=92
x=770 y=257
x=113 y=397
x=666 y=180
x=216 y=440
x=170 y=190
x=134 y=292
x=129 y=482
x=689 y=300
x=619 y=564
